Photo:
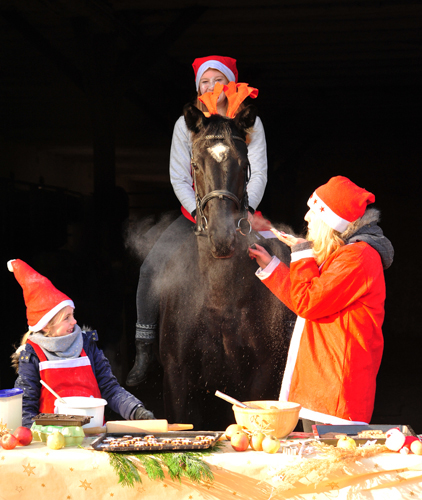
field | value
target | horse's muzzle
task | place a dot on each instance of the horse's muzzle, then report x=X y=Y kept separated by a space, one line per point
x=222 y=245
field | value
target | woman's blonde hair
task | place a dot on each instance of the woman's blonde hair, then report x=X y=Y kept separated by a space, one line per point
x=325 y=239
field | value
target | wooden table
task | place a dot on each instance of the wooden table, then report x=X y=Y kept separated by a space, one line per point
x=36 y=472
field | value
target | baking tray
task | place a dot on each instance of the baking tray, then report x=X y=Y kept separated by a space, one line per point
x=157 y=441
x=353 y=430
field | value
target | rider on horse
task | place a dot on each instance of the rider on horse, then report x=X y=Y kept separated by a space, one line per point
x=209 y=71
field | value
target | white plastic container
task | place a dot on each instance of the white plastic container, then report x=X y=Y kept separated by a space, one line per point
x=79 y=405
x=11 y=408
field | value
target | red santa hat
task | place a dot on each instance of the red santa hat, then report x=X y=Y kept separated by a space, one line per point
x=225 y=65
x=43 y=300
x=340 y=202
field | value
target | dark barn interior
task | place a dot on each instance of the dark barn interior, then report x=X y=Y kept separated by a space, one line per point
x=90 y=91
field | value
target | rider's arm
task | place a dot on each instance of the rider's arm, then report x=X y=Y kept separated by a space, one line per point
x=257 y=154
x=180 y=169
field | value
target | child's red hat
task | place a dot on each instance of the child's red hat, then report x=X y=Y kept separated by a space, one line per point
x=43 y=300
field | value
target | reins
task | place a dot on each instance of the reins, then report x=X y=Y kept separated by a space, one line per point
x=241 y=205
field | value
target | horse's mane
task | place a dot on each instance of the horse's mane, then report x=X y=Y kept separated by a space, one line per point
x=216 y=126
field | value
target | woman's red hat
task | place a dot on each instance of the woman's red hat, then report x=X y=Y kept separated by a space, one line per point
x=340 y=202
x=226 y=65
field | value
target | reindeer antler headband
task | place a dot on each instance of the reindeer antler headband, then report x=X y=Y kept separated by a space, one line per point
x=236 y=93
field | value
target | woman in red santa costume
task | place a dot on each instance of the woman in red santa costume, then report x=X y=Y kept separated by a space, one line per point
x=336 y=286
x=208 y=71
x=56 y=351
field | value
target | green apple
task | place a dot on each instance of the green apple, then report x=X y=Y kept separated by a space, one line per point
x=270 y=444
x=56 y=440
x=346 y=442
x=256 y=440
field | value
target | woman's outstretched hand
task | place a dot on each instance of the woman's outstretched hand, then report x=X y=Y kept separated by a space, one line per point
x=263 y=258
x=288 y=239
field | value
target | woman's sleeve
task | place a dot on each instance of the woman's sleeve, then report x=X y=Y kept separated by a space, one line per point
x=257 y=154
x=349 y=276
x=29 y=381
x=276 y=277
x=180 y=168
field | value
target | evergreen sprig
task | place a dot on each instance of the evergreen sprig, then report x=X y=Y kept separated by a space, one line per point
x=125 y=469
x=187 y=464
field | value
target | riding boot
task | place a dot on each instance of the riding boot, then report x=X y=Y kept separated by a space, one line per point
x=144 y=338
x=143 y=360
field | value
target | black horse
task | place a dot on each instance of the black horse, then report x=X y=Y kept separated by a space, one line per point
x=219 y=326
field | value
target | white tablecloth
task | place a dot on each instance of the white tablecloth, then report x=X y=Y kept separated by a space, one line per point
x=36 y=472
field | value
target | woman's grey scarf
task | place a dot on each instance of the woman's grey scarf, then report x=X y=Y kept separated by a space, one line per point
x=56 y=348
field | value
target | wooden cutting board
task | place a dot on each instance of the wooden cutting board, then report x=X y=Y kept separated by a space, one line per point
x=159 y=425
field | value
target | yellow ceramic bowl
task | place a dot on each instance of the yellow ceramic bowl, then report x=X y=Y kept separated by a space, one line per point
x=276 y=417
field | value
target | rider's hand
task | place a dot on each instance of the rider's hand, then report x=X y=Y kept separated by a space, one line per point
x=263 y=258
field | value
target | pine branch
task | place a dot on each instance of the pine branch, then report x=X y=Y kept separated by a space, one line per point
x=125 y=468
x=189 y=464
x=152 y=466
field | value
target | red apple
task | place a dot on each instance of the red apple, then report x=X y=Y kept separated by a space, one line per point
x=240 y=441
x=23 y=435
x=231 y=429
x=270 y=444
x=8 y=441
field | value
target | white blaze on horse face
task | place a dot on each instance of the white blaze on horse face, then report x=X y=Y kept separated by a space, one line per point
x=219 y=152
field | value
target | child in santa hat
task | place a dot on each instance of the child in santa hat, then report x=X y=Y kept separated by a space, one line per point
x=336 y=286
x=56 y=351
x=208 y=71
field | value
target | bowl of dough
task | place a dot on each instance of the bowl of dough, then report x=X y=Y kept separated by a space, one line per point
x=278 y=418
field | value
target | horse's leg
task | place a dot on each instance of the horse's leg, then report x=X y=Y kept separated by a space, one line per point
x=179 y=397
x=148 y=295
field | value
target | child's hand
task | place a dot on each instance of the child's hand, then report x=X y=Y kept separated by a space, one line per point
x=142 y=413
x=263 y=258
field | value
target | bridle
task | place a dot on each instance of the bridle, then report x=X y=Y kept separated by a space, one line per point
x=241 y=205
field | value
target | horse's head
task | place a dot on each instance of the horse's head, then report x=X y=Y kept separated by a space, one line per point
x=221 y=172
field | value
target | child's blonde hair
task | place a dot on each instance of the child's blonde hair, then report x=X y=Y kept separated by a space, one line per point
x=53 y=321
x=57 y=318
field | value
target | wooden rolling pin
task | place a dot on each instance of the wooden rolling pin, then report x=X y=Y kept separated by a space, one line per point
x=159 y=425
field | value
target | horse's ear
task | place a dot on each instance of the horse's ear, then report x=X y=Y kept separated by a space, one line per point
x=246 y=118
x=194 y=118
